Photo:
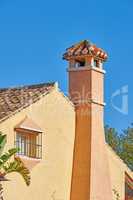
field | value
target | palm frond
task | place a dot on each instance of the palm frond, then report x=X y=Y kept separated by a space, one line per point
x=6 y=156
x=18 y=166
x=2 y=142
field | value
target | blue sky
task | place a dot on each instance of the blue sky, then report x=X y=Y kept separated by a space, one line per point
x=34 y=35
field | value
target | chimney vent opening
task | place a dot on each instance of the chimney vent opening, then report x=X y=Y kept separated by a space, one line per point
x=80 y=63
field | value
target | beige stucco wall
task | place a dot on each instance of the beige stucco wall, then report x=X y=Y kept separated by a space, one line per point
x=51 y=177
x=117 y=173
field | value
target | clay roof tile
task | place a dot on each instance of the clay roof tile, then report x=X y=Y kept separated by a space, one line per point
x=14 y=99
x=84 y=48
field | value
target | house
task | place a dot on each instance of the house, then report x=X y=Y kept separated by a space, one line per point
x=41 y=121
x=61 y=139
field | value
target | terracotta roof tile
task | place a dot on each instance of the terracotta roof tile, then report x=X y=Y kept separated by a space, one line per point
x=84 y=48
x=13 y=99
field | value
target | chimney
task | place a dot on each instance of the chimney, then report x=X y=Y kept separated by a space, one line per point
x=90 y=173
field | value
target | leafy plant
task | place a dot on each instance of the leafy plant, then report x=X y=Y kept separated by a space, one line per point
x=121 y=144
x=117 y=196
x=7 y=166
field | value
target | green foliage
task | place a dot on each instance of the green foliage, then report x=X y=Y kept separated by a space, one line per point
x=126 y=152
x=18 y=166
x=7 y=166
x=121 y=144
x=2 y=142
x=6 y=156
x=117 y=196
x=112 y=138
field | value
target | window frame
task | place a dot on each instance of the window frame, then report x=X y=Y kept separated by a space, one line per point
x=128 y=186
x=30 y=149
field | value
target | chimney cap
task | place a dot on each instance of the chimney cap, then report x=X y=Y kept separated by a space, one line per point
x=85 y=48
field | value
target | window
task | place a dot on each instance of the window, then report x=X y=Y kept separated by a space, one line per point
x=29 y=143
x=98 y=63
x=129 y=192
x=95 y=63
x=80 y=63
x=128 y=188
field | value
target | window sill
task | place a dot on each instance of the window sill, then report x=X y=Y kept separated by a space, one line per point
x=27 y=157
x=28 y=161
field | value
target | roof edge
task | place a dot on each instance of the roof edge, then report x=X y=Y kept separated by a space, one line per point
x=126 y=167
x=30 y=86
x=54 y=86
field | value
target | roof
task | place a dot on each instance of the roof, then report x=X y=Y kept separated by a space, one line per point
x=114 y=155
x=85 y=48
x=17 y=98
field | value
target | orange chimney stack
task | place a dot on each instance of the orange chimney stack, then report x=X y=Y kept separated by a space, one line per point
x=90 y=175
